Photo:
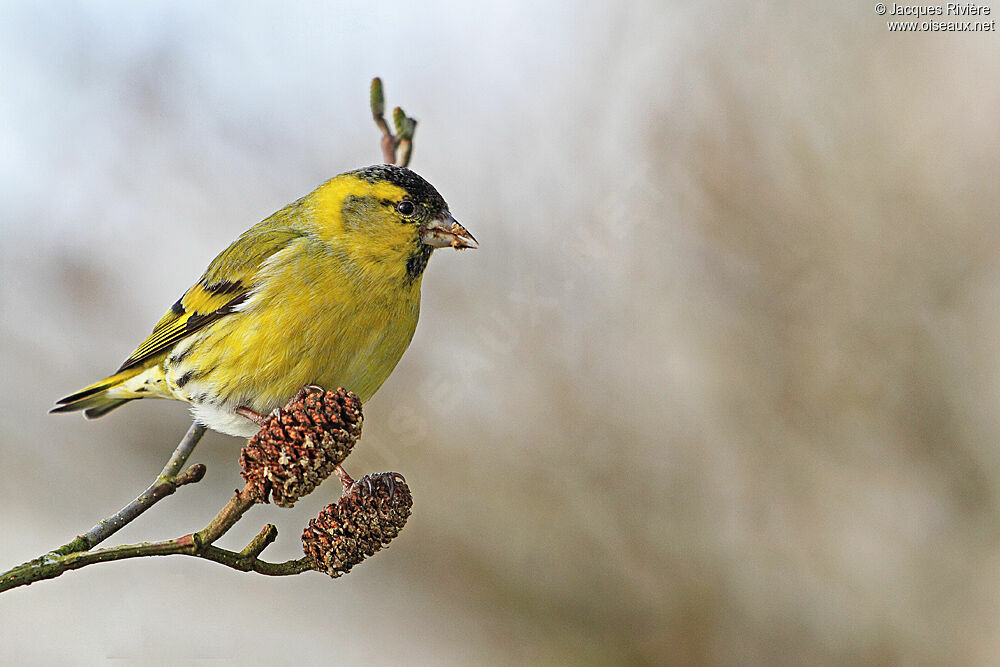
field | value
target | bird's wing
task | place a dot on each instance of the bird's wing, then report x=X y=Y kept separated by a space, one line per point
x=227 y=283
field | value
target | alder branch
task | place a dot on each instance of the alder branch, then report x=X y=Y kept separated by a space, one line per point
x=398 y=148
x=165 y=484
x=297 y=447
x=52 y=565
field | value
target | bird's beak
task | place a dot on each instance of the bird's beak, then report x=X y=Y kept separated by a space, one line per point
x=445 y=231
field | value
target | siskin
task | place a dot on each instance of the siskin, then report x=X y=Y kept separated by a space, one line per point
x=326 y=291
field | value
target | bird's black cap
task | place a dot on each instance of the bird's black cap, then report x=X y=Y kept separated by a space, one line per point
x=420 y=190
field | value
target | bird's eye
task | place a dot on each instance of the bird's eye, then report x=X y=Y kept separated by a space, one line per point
x=406 y=208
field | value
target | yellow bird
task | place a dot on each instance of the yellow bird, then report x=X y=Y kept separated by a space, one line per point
x=326 y=291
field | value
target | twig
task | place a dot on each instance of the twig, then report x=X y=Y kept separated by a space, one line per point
x=378 y=114
x=405 y=127
x=51 y=566
x=166 y=483
x=227 y=517
x=198 y=544
x=233 y=560
x=265 y=537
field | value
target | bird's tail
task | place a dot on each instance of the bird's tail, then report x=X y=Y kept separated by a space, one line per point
x=101 y=397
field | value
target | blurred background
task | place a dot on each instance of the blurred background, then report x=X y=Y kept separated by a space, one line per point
x=720 y=385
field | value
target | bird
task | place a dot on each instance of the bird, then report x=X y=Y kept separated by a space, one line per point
x=324 y=292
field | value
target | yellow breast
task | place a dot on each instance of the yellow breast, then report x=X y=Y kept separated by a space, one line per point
x=318 y=317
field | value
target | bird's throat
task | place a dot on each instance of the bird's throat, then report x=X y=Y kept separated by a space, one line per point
x=417 y=262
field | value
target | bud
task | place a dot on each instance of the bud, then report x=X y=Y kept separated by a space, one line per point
x=364 y=520
x=300 y=445
x=377 y=98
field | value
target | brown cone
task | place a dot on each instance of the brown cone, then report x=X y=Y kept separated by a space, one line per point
x=364 y=520
x=299 y=447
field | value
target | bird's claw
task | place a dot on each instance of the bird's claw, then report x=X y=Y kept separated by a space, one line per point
x=255 y=417
x=345 y=479
x=305 y=391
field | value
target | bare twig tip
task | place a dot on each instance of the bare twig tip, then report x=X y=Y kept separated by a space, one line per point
x=377 y=98
x=192 y=475
x=399 y=120
x=264 y=538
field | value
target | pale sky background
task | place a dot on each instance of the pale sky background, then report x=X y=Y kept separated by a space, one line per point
x=720 y=385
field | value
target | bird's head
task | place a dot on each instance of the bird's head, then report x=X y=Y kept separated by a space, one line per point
x=388 y=216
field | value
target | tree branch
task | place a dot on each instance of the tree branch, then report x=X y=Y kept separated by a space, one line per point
x=264 y=538
x=198 y=544
x=166 y=483
x=402 y=142
x=227 y=517
x=51 y=566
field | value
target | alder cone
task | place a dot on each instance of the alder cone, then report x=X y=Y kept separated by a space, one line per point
x=362 y=522
x=300 y=445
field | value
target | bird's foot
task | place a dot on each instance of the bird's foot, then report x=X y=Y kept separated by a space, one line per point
x=305 y=391
x=345 y=479
x=255 y=417
x=259 y=419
